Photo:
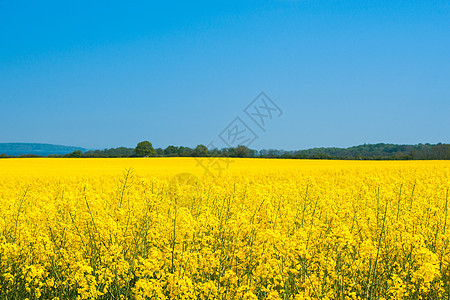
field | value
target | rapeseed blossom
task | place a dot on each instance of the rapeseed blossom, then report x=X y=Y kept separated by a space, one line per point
x=265 y=229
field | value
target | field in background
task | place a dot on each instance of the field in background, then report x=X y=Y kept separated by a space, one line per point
x=264 y=229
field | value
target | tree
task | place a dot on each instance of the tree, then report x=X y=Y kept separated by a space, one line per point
x=200 y=151
x=159 y=151
x=241 y=151
x=184 y=151
x=144 y=149
x=171 y=151
x=75 y=154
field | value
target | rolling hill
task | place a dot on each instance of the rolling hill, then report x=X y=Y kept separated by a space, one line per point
x=16 y=149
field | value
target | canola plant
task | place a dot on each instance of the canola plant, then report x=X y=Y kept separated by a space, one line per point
x=160 y=228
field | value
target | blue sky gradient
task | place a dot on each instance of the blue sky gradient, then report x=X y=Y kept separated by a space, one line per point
x=114 y=73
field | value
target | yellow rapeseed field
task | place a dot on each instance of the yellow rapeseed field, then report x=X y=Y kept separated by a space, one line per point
x=159 y=228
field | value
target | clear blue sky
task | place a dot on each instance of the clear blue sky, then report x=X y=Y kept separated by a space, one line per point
x=102 y=74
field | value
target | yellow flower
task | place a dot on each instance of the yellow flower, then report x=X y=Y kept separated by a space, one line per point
x=265 y=229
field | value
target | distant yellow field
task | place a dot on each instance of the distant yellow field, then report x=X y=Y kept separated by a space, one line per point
x=162 y=228
x=170 y=166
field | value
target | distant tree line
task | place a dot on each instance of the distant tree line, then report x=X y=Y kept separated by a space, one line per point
x=362 y=152
x=368 y=152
